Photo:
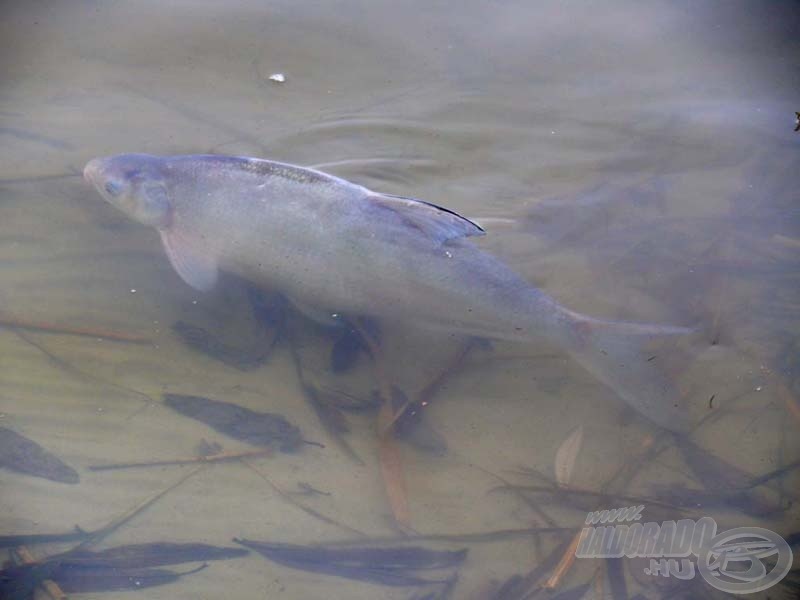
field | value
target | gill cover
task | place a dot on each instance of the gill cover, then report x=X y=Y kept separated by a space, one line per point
x=153 y=207
x=195 y=267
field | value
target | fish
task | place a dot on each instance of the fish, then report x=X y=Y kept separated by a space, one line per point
x=334 y=247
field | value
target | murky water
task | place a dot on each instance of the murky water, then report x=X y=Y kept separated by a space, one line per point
x=635 y=161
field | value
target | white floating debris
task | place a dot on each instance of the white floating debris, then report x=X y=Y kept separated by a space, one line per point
x=133 y=291
x=278 y=78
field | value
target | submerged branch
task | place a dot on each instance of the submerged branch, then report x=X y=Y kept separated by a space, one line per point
x=225 y=456
x=90 y=332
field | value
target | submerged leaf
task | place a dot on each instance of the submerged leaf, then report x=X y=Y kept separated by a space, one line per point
x=387 y=566
x=23 y=455
x=521 y=587
x=79 y=579
x=120 y=568
x=392 y=468
x=137 y=556
x=334 y=421
x=567 y=454
x=346 y=350
x=244 y=359
x=411 y=427
x=18 y=582
x=257 y=428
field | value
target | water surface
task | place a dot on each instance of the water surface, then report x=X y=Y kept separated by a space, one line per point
x=636 y=161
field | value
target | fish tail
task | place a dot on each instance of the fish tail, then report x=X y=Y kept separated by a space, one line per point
x=619 y=355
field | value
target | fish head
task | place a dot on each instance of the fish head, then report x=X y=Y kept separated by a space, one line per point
x=135 y=184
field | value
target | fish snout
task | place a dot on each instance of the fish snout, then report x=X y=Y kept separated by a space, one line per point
x=92 y=170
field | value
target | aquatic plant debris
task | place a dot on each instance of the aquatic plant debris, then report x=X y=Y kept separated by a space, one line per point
x=392 y=566
x=567 y=454
x=118 y=568
x=90 y=332
x=23 y=556
x=257 y=428
x=244 y=359
x=345 y=350
x=19 y=582
x=154 y=554
x=388 y=454
x=522 y=587
x=189 y=460
x=411 y=427
x=330 y=417
x=23 y=455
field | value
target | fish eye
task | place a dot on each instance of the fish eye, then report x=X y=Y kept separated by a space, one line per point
x=113 y=188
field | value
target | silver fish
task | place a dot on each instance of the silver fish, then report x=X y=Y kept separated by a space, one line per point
x=332 y=246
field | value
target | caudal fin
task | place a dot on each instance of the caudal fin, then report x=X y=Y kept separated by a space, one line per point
x=620 y=355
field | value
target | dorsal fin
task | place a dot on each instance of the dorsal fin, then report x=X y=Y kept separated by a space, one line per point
x=437 y=222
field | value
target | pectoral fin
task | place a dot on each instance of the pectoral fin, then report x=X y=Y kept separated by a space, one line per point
x=436 y=222
x=195 y=267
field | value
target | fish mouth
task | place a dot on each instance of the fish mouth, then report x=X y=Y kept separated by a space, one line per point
x=93 y=170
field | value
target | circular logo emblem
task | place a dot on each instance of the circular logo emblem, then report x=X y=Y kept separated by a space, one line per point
x=732 y=561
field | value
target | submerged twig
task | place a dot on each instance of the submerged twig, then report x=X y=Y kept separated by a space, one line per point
x=7 y=541
x=600 y=495
x=48 y=585
x=427 y=393
x=334 y=427
x=533 y=505
x=790 y=401
x=289 y=498
x=390 y=460
x=478 y=536
x=99 y=534
x=89 y=538
x=221 y=457
x=70 y=368
x=521 y=587
x=42 y=326
x=566 y=562
x=37 y=178
x=393 y=476
x=407 y=421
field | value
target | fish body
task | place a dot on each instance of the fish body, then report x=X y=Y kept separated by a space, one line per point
x=336 y=247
